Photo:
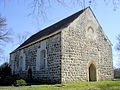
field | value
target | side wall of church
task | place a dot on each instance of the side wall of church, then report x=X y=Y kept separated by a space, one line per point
x=30 y=58
x=84 y=43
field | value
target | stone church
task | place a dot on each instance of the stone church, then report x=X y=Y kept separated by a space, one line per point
x=72 y=50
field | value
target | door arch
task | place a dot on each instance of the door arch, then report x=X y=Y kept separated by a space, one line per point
x=29 y=74
x=92 y=72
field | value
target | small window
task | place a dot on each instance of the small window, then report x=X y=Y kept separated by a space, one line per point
x=105 y=39
x=43 y=59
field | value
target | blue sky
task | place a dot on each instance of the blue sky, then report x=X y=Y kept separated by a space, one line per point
x=16 y=13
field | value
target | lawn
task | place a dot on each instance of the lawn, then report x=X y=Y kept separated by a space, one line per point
x=100 y=85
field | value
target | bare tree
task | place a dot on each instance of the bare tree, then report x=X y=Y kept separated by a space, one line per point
x=5 y=34
x=5 y=37
x=22 y=37
x=39 y=7
x=118 y=43
x=117 y=48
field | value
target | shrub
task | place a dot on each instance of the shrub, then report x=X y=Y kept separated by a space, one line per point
x=20 y=82
x=7 y=80
x=5 y=70
x=5 y=74
x=117 y=73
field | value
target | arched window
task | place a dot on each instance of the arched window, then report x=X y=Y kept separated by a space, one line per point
x=90 y=29
x=43 y=59
x=20 y=63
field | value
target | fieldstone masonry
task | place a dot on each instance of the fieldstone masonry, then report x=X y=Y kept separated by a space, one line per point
x=69 y=54
x=52 y=73
x=83 y=43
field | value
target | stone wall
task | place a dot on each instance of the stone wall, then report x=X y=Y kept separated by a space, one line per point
x=69 y=54
x=52 y=72
x=84 y=43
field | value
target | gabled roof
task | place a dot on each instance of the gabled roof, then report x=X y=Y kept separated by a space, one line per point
x=51 y=29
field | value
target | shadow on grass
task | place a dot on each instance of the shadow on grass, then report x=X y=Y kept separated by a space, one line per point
x=109 y=85
x=29 y=83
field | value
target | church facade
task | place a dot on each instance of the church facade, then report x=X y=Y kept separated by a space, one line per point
x=72 y=50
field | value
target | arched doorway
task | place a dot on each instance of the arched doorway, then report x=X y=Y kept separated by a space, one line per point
x=29 y=74
x=92 y=72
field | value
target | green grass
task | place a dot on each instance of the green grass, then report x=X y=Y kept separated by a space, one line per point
x=100 y=85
